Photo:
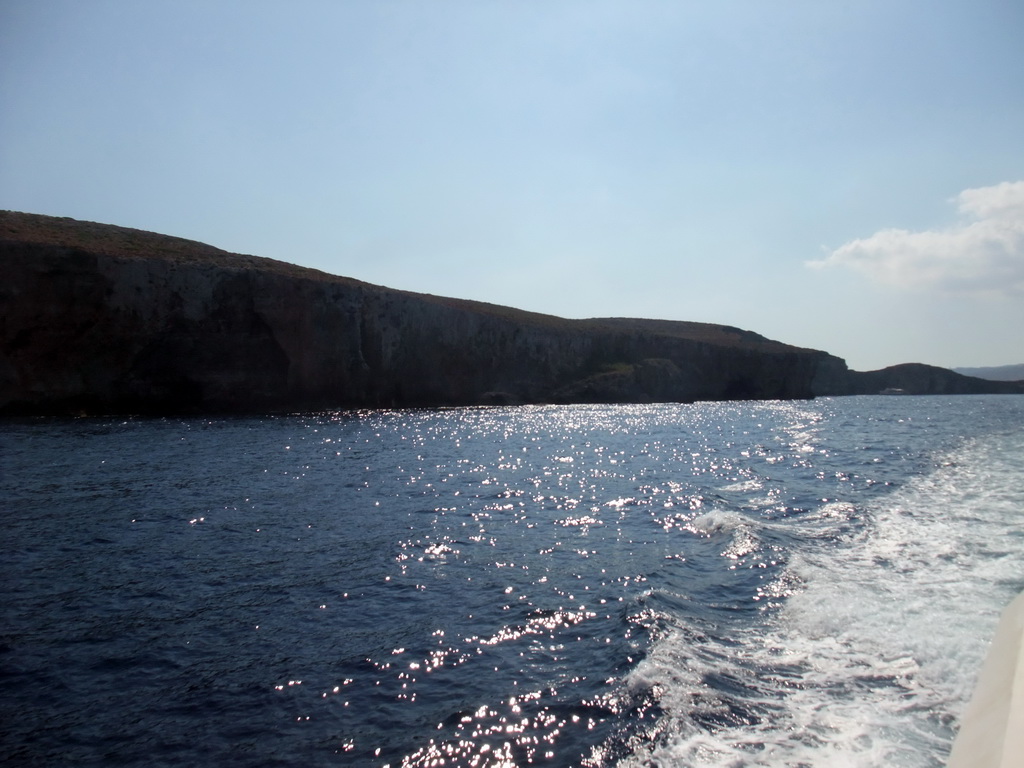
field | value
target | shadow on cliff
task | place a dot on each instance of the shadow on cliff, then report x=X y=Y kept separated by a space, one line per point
x=104 y=319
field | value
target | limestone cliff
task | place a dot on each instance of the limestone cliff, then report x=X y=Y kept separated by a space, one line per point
x=103 y=319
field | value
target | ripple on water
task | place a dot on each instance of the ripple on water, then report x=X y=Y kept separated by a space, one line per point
x=594 y=585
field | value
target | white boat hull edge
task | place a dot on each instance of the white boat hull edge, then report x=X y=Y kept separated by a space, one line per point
x=992 y=729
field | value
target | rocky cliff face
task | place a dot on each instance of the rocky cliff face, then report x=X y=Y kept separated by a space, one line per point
x=103 y=319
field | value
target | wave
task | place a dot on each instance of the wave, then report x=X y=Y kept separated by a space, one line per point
x=871 y=657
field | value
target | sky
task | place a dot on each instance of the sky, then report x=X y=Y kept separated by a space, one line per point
x=840 y=175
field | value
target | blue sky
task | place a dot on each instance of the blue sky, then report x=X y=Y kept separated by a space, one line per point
x=847 y=176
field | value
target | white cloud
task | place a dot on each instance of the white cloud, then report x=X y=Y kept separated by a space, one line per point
x=981 y=253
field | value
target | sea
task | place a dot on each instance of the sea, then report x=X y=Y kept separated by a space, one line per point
x=801 y=583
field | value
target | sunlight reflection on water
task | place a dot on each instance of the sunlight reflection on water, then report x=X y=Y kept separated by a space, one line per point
x=568 y=585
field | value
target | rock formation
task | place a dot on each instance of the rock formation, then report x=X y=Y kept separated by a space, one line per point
x=104 y=319
x=915 y=379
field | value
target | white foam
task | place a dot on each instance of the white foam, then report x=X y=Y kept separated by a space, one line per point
x=717 y=521
x=744 y=486
x=871 y=660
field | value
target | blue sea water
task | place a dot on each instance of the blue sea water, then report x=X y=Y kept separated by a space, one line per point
x=717 y=584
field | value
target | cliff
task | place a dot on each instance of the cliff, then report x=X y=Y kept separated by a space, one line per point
x=104 y=319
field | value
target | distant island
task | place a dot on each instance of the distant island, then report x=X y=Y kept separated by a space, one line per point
x=997 y=373
x=101 y=319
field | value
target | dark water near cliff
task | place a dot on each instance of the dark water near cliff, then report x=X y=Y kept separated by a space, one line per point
x=807 y=583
